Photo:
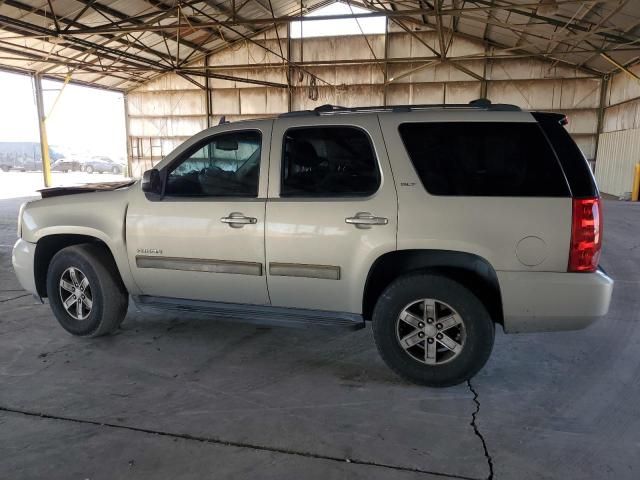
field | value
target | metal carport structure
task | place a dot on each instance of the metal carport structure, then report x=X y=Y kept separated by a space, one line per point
x=204 y=52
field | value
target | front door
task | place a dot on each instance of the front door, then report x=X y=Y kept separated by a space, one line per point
x=331 y=212
x=204 y=238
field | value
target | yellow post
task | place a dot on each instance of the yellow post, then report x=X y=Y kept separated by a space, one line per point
x=44 y=143
x=635 y=191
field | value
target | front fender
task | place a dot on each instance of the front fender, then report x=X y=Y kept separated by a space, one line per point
x=101 y=215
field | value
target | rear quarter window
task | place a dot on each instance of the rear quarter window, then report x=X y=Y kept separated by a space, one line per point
x=493 y=159
x=573 y=162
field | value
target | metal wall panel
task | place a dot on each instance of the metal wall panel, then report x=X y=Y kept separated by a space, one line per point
x=337 y=48
x=623 y=87
x=625 y=116
x=437 y=73
x=170 y=108
x=547 y=94
x=169 y=103
x=618 y=153
x=529 y=69
x=166 y=126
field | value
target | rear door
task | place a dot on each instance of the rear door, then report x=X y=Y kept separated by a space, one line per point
x=331 y=210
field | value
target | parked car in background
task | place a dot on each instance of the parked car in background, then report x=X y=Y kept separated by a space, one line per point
x=22 y=164
x=102 y=165
x=24 y=156
x=65 y=165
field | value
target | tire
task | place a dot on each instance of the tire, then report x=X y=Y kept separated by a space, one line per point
x=108 y=295
x=115 y=170
x=88 y=169
x=453 y=303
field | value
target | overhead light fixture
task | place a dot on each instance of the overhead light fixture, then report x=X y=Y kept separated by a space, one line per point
x=547 y=7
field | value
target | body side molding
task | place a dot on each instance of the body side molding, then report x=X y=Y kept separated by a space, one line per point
x=199 y=265
x=328 y=272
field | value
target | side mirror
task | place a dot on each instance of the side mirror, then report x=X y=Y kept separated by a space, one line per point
x=151 y=182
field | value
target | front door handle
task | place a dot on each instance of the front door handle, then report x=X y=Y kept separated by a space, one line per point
x=238 y=220
x=366 y=220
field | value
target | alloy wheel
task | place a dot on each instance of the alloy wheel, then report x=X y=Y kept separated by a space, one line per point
x=431 y=331
x=75 y=293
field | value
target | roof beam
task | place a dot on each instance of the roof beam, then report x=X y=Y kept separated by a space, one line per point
x=17 y=54
x=502 y=47
x=73 y=22
x=122 y=16
x=20 y=27
x=518 y=9
x=193 y=22
x=607 y=18
x=285 y=60
x=22 y=71
x=238 y=21
x=620 y=66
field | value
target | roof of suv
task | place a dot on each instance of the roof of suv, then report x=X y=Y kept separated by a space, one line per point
x=478 y=105
x=481 y=104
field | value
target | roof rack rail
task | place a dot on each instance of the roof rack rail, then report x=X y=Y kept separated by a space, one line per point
x=480 y=104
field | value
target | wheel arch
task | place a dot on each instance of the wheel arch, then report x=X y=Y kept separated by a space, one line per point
x=49 y=245
x=472 y=271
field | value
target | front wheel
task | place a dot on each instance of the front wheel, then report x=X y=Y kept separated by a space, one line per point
x=88 y=169
x=85 y=291
x=432 y=331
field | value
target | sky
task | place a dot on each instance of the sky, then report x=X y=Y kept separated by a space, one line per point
x=83 y=121
x=326 y=28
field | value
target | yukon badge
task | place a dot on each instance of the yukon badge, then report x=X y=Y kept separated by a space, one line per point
x=150 y=251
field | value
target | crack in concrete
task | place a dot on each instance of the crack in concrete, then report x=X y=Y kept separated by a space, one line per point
x=476 y=430
x=228 y=443
x=15 y=298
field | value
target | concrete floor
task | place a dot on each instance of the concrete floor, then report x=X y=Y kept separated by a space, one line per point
x=171 y=397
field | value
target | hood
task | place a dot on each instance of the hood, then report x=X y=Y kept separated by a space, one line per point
x=84 y=188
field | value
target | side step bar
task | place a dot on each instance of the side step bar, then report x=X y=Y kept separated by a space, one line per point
x=258 y=314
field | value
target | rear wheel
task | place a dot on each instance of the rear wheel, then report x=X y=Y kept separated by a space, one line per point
x=88 y=169
x=85 y=291
x=432 y=331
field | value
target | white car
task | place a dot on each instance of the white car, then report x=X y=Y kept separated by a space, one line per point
x=434 y=222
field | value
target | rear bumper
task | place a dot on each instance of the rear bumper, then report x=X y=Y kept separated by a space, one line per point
x=22 y=259
x=546 y=301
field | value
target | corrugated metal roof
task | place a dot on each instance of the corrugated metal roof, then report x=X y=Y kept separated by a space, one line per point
x=121 y=44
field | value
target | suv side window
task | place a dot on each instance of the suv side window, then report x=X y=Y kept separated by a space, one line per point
x=334 y=161
x=226 y=165
x=490 y=159
x=571 y=158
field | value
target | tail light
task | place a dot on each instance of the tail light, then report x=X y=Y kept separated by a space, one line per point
x=586 y=235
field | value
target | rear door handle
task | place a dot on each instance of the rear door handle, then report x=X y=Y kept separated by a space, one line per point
x=366 y=220
x=238 y=220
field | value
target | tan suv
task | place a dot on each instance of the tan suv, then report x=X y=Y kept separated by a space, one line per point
x=433 y=222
